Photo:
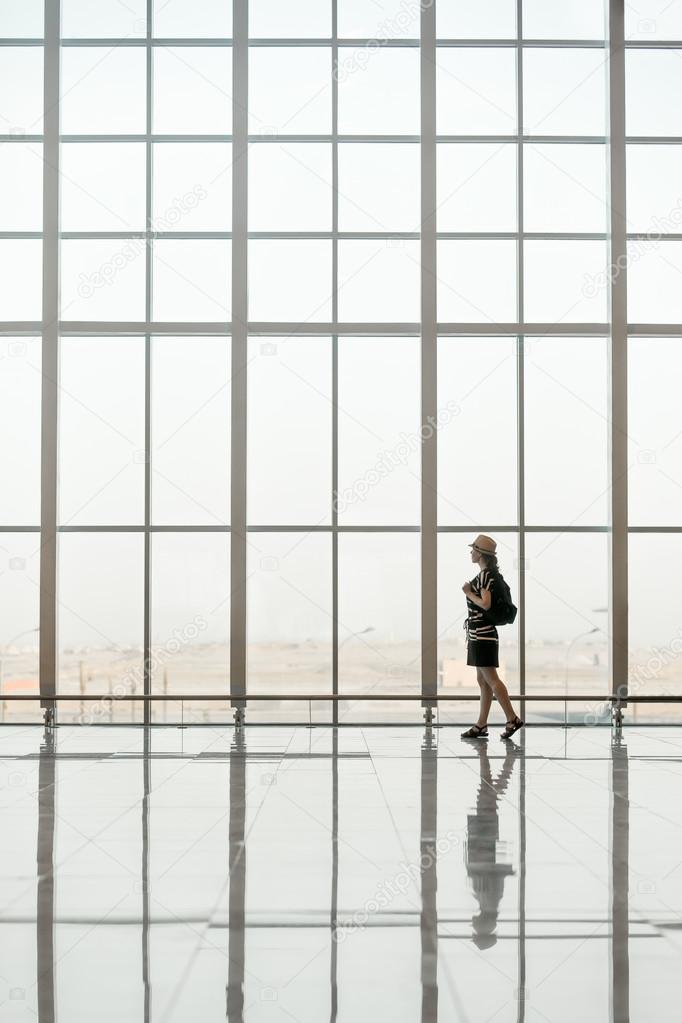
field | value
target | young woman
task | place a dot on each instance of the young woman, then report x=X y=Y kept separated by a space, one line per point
x=483 y=642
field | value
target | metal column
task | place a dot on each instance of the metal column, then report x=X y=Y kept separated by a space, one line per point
x=50 y=365
x=429 y=342
x=240 y=87
x=618 y=382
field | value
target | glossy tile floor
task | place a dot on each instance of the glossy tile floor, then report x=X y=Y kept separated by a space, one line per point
x=289 y=874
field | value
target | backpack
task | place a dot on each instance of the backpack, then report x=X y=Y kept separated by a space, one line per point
x=502 y=611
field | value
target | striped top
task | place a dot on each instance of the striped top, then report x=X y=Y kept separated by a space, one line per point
x=477 y=626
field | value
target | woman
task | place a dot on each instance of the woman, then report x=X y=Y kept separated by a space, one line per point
x=483 y=642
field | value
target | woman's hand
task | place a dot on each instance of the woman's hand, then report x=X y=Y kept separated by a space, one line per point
x=466 y=589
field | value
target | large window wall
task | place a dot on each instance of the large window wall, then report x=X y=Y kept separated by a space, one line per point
x=322 y=296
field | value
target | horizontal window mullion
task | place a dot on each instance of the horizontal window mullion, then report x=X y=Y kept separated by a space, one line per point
x=512 y=43
x=143 y=137
x=126 y=41
x=526 y=529
x=145 y=529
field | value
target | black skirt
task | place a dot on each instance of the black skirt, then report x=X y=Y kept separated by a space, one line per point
x=483 y=653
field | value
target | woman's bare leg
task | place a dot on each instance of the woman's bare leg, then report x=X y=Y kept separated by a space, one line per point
x=486 y=699
x=500 y=690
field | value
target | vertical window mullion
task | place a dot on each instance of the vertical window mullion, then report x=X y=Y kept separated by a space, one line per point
x=50 y=363
x=618 y=418
x=147 y=684
x=429 y=410
x=240 y=86
x=520 y=372
x=335 y=360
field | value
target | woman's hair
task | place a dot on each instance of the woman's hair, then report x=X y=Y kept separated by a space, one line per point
x=490 y=562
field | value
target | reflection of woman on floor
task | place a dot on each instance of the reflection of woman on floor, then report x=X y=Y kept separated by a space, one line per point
x=487 y=874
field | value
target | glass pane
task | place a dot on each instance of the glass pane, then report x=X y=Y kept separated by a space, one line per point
x=564 y=92
x=102 y=186
x=476 y=187
x=379 y=187
x=655 y=637
x=21 y=19
x=655 y=432
x=289 y=613
x=103 y=94
x=476 y=281
x=192 y=186
x=654 y=294
x=379 y=432
x=653 y=175
x=477 y=397
x=565 y=281
x=20 y=392
x=476 y=91
x=290 y=417
x=653 y=79
x=101 y=431
x=20 y=600
x=383 y=19
x=454 y=568
x=106 y=19
x=270 y=19
x=564 y=188
x=566 y=613
x=190 y=609
x=103 y=279
x=21 y=186
x=379 y=627
x=21 y=273
x=566 y=432
x=378 y=91
x=190 y=430
x=290 y=91
x=290 y=280
x=290 y=187
x=581 y=19
x=21 y=88
x=192 y=280
x=379 y=280
x=101 y=626
x=653 y=19
x=202 y=19
x=192 y=90
x=476 y=19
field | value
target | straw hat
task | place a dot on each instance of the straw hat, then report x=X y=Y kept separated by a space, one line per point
x=484 y=544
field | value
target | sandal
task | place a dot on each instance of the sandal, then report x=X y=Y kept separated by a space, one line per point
x=511 y=727
x=476 y=732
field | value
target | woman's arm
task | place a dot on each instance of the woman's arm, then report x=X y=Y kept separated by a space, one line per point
x=485 y=599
